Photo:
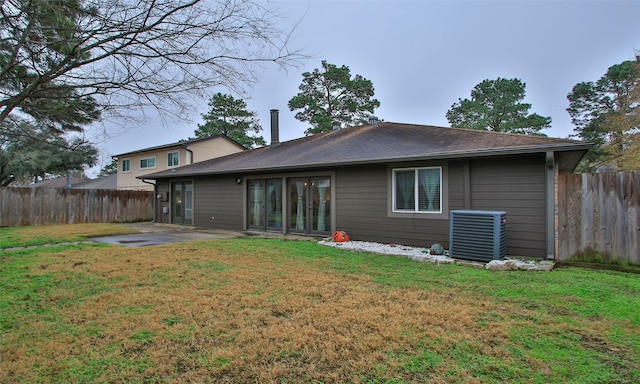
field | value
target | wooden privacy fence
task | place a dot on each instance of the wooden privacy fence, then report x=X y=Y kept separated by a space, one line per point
x=598 y=214
x=39 y=206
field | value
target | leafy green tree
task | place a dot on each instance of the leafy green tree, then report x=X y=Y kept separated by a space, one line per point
x=606 y=113
x=42 y=152
x=229 y=116
x=6 y=174
x=126 y=55
x=496 y=105
x=330 y=95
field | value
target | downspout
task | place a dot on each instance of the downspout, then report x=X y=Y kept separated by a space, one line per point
x=550 y=205
x=117 y=171
x=186 y=148
x=155 y=197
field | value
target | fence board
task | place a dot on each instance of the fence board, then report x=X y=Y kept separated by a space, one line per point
x=39 y=206
x=598 y=213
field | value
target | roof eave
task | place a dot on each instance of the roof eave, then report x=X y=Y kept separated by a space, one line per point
x=437 y=156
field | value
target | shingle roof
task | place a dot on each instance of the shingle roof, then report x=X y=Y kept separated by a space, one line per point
x=184 y=143
x=104 y=182
x=58 y=182
x=368 y=144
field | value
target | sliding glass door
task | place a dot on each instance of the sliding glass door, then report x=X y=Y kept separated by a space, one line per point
x=256 y=206
x=305 y=203
x=265 y=204
x=182 y=203
x=310 y=205
x=273 y=205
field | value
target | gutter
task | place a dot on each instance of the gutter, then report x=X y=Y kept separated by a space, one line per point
x=145 y=181
x=186 y=148
x=437 y=156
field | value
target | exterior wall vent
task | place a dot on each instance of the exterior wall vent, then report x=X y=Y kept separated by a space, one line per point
x=478 y=235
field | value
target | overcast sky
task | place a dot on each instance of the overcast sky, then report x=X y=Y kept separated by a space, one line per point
x=422 y=56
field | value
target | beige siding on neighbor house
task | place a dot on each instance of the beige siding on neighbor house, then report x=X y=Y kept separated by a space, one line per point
x=202 y=150
x=128 y=180
x=210 y=149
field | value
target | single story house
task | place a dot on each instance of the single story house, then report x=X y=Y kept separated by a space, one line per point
x=132 y=165
x=104 y=182
x=57 y=182
x=385 y=182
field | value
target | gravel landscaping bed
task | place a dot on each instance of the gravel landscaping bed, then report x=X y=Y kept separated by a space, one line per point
x=422 y=254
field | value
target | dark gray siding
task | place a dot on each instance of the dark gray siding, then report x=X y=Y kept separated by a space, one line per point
x=456 y=172
x=220 y=198
x=517 y=186
x=363 y=201
x=162 y=201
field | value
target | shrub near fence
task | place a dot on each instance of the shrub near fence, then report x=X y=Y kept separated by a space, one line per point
x=599 y=217
x=39 y=206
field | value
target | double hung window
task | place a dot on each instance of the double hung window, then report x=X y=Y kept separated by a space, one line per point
x=126 y=165
x=173 y=159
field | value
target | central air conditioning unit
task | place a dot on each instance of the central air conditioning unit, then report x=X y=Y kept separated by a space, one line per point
x=478 y=235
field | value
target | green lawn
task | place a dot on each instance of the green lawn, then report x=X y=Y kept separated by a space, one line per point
x=269 y=310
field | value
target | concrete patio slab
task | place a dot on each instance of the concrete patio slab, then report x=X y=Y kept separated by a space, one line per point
x=155 y=233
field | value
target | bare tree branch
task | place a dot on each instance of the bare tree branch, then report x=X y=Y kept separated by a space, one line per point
x=128 y=53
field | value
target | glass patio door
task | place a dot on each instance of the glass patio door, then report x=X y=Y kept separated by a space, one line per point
x=274 y=205
x=320 y=205
x=265 y=204
x=255 y=210
x=182 y=203
x=188 y=203
x=310 y=205
x=298 y=205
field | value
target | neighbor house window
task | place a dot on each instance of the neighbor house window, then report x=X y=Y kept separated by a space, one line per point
x=149 y=162
x=417 y=190
x=126 y=165
x=173 y=159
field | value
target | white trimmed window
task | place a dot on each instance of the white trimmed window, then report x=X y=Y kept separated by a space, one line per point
x=148 y=162
x=173 y=159
x=126 y=165
x=417 y=190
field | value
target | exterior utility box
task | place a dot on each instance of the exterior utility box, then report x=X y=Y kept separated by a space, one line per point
x=478 y=235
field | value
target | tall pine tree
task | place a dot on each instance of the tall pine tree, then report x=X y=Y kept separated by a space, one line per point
x=331 y=95
x=230 y=117
x=497 y=105
x=607 y=114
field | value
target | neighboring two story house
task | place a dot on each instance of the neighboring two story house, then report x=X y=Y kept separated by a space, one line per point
x=133 y=165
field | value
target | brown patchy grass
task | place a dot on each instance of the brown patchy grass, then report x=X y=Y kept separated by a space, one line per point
x=234 y=311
